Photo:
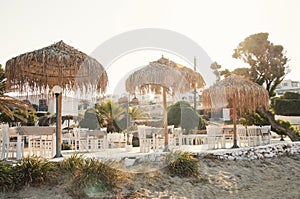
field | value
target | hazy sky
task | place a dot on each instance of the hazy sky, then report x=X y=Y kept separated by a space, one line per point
x=218 y=26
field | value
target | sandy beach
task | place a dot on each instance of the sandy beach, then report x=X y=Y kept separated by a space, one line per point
x=267 y=178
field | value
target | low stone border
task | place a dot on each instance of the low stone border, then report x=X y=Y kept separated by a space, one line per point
x=252 y=153
x=249 y=153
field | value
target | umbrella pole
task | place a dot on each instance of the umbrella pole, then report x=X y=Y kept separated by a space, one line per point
x=234 y=127
x=59 y=124
x=165 y=119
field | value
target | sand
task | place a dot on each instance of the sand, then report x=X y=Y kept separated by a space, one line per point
x=269 y=178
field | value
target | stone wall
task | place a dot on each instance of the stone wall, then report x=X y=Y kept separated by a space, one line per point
x=157 y=160
x=252 y=153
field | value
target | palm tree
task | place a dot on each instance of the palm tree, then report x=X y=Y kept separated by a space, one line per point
x=111 y=113
x=136 y=113
x=9 y=104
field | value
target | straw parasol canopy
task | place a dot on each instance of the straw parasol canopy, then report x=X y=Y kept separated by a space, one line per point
x=57 y=64
x=174 y=77
x=237 y=93
x=161 y=77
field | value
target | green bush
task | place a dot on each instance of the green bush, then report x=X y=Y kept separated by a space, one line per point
x=6 y=177
x=33 y=171
x=182 y=164
x=89 y=120
x=287 y=126
x=182 y=114
x=249 y=119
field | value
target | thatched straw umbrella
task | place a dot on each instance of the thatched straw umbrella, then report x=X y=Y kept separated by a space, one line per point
x=58 y=64
x=161 y=77
x=237 y=93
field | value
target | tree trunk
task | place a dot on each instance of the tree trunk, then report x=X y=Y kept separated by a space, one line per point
x=289 y=132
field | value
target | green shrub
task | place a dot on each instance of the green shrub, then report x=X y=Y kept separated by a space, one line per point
x=183 y=114
x=182 y=164
x=6 y=177
x=287 y=125
x=33 y=171
x=249 y=119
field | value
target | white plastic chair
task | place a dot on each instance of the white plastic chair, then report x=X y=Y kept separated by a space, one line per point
x=175 y=138
x=159 y=139
x=266 y=134
x=41 y=145
x=11 y=149
x=242 y=136
x=96 y=140
x=215 y=137
x=117 y=140
x=253 y=135
x=145 y=143
x=79 y=140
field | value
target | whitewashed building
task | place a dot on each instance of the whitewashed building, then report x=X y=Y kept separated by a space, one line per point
x=287 y=86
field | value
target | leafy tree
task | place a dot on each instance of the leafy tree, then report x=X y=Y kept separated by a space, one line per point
x=216 y=67
x=243 y=72
x=182 y=114
x=267 y=61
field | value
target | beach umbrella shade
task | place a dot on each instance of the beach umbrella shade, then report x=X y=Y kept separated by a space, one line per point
x=58 y=64
x=236 y=93
x=161 y=77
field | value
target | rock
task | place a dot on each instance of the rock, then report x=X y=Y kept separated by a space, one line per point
x=129 y=162
x=231 y=158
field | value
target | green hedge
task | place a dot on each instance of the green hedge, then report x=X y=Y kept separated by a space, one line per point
x=288 y=107
x=291 y=95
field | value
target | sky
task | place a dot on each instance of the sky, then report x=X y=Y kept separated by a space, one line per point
x=218 y=26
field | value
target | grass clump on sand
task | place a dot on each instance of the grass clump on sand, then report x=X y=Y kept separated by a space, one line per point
x=182 y=164
x=81 y=177
x=30 y=171
x=90 y=176
x=6 y=177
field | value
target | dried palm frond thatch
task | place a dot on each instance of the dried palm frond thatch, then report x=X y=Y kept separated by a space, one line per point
x=236 y=93
x=232 y=91
x=164 y=73
x=57 y=64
